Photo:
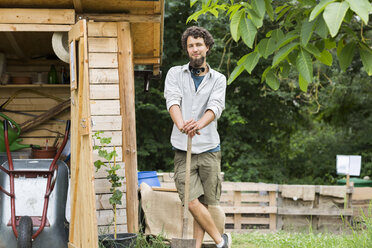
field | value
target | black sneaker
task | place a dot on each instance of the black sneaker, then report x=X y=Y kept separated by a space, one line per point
x=227 y=240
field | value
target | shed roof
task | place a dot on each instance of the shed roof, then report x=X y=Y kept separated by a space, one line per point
x=90 y=6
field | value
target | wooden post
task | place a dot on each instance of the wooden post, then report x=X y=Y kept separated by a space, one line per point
x=127 y=108
x=272 y=203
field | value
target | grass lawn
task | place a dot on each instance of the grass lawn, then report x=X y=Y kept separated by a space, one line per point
x=362 y=239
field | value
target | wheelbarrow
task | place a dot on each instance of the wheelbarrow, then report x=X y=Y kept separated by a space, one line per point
x=29 y=221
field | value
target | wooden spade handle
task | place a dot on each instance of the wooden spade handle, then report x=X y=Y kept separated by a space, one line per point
x=187 y=187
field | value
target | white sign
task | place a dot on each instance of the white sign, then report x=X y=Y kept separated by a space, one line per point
x=349 y=165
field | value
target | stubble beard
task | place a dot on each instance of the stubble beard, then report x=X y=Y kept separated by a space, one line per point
x=198 y=62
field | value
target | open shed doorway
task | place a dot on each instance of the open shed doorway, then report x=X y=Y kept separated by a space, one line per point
x=33 y=81
x=35 y=94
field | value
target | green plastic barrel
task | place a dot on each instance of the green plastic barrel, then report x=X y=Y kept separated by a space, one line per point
x=358 y=182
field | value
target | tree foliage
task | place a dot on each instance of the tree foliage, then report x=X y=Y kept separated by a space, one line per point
x=306 y=31
x=282 y=136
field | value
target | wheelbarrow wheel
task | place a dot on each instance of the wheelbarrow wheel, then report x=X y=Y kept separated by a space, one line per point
x=25 y=232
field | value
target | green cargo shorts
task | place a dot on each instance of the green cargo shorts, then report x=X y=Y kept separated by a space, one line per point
x=205 y=176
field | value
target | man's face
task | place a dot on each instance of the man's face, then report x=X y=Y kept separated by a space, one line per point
x=197 y=51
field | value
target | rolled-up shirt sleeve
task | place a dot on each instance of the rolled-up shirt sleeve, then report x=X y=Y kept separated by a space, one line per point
x=216 y=101
x=172 y=91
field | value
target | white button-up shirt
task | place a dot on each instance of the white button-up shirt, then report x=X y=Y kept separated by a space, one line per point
x=180 y=89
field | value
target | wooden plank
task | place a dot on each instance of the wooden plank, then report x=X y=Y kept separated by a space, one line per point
x=362 y=193
x=34 y=28
x=104 y=76
x=14 y=44
x=119 y=158
x=307 y=211
x=102 y=29
x=102 y=45
x=46 y=116
x=110 y=229
x=102 y=91
x=242 y=186
x=237 y=203
x=103 y=60
x=245 y=198
x=104 y=123
x=83 y=224
x=143 y=38
x=140 y=60
x=78 y=6
x=248 y=210
x=156 y=44
x=105 y=107
x=116 y=138
x=102 y=202
x=106 y=217
x=102 y=186
x=50 y=16
x=102 y=173
x=272 y=203
x=117 y=17
x=249 y=220
x=126 y=82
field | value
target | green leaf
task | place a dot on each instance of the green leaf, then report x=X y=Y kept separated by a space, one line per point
x=277 y=35
x=288 y=38
x=366 y=56
x=214 y=12
x=311 y=48
x=283 y=53
x=329 y=44
x=259 y=7
x=346 y=55
x=256 y=19
x=236 y=72
x=304 y=65
x=234 y=25
x=334 y=15
x=302 y=83
x=269 y=9
x=242 y=59
x=321 y=27
x=292 y=57
x=306 y=31
x=283 y=12
x=362 y=8
x=248 y=31
x=251 y=61
x=192 y=2
x=272 y=80
x=340 y=46
x=280 y=8
x=319 y=8
x=266 y=47
x=263 y=77
x=233 y=9
x=325 y=57
x=285 y=69
x=195 y=16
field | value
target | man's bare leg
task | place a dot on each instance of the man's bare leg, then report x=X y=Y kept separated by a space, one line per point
x=204 y=219
x=198 y=234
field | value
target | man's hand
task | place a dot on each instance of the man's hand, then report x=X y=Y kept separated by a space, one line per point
x=191 y=128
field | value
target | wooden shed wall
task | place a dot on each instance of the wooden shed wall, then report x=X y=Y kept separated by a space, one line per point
x=105 y=114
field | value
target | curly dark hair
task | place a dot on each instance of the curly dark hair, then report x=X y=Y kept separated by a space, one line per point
x=197 y=32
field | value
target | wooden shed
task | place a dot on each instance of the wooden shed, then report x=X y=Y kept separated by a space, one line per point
x=107 y=40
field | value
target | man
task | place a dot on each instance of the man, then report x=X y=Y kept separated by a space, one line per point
x=195 y=97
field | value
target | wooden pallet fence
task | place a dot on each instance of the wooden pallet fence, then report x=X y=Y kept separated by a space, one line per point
x=362 y=197
x=249 y=206
x=320 y=207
